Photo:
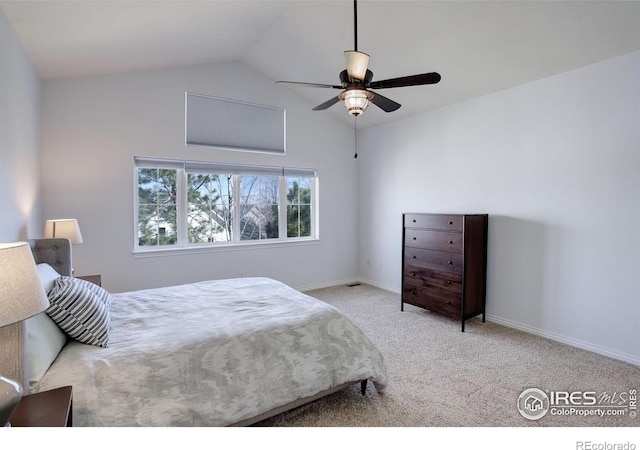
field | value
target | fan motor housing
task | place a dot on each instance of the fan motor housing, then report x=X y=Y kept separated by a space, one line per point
x=347 y=81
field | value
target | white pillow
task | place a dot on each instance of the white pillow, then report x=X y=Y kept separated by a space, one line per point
x=44 y=341
x=44 y=338
x=48 y=276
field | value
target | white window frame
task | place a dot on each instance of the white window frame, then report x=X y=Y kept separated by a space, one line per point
x=236 y=170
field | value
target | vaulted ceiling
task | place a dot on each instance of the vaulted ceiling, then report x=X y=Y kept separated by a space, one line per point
x=478 y=47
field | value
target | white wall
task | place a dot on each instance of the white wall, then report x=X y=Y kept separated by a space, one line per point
x=94 y=126
x=19 y=140
x=556 y=165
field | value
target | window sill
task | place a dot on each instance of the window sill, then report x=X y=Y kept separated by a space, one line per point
x=175 y=251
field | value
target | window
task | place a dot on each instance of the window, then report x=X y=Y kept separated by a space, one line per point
x=157 y=206
x=234 y=125
x=259 y=200
x=298 y=207
x=208 y=207
x=182 y=204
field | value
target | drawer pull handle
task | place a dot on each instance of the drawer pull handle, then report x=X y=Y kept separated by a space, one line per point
x=414 y=220
x=449 y=302
x=448 y=282
x=413 y=274
x=450 y=242
x=414 y=256
x=414 y=238
x=450 y=262
x=450 y=222
x=413 y=292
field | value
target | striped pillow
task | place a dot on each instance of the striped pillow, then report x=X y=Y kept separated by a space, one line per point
x=81 y=309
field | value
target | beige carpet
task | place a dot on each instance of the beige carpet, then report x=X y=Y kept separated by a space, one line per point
x=441 y=377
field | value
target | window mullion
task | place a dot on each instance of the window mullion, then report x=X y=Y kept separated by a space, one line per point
x=235 y=209
x=282 y=209
x=181 y=207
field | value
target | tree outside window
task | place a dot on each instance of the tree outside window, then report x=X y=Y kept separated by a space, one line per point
x=157 y=222
x=209 y=202
x=259 y=207
x=299 y=207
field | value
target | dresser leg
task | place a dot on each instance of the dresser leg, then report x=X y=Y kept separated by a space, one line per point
x=363 y=387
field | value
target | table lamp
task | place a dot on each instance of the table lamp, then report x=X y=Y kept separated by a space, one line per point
x=63 y=228
x=21 y=296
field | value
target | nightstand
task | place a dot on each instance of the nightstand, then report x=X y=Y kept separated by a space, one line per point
x=95 y=279
x=52 y=408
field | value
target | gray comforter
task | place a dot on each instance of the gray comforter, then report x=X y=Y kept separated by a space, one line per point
x=210 y=354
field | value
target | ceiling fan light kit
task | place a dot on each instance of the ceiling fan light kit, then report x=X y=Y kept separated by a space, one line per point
x=356 y=101
x=356 y=81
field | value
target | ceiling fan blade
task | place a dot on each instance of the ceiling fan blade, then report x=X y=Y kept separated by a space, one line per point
x=326 y=104
x=411 y=80
x=387 y=105
x=314 y=85
x=357 y=63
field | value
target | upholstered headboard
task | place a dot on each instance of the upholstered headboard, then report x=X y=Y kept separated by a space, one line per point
x=13 y=338
x=56 y=252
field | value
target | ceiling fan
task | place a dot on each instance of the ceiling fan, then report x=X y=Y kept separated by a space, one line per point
x=356 y=81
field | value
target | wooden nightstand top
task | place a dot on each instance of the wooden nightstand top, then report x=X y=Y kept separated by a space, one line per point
x=45 y=409
x=95 y=279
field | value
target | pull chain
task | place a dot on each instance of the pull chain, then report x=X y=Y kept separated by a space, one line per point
x=355 y=136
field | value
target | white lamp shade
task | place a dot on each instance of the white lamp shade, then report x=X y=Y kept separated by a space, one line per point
x=63 y=228
x=21 y=292
x=357 y=63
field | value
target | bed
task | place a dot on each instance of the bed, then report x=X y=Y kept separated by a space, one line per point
x=214 y=353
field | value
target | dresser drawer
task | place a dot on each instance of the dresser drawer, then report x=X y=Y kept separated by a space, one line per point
x=443 y=241
x=433 y=300
x=434 y=279
x=433 y=221
x=431 y=259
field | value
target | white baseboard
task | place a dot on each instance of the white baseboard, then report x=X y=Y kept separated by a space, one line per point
x=565 y=340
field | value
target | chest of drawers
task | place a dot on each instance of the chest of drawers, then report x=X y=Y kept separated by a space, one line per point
x=444 y=263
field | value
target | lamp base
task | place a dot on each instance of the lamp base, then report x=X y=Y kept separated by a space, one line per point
x=10 y=395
